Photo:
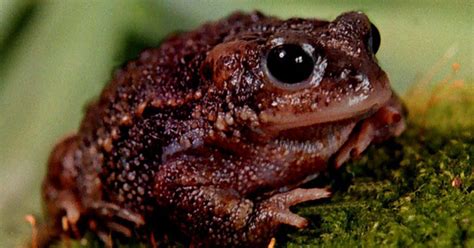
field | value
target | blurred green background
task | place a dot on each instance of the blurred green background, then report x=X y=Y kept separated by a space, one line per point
x=57 y=55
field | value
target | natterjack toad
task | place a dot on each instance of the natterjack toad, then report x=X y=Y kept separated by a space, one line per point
x=212 y=133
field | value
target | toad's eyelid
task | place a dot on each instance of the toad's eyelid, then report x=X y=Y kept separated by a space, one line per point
x=277 y=41
x=306 y=46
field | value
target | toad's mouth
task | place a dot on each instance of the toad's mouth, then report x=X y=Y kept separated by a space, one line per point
x=323 y=132
x=361 y=104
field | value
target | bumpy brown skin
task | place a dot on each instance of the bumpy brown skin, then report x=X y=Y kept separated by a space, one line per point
x=197 y=135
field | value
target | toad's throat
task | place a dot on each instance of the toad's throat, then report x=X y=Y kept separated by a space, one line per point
x=320 y=140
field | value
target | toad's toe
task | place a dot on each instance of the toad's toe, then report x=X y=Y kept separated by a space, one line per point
x=277 y=206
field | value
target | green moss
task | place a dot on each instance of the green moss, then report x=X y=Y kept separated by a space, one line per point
x=409 y=203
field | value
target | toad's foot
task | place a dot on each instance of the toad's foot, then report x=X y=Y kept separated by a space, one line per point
x=276 y=208
x=110 y=217
x=222 y=217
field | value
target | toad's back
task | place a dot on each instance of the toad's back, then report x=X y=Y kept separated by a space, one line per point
x=146 y=107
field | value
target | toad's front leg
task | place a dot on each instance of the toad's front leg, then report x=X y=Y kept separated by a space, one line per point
x=217 y=215
x=387 y=122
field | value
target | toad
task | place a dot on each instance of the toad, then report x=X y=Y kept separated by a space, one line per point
x=213 y=133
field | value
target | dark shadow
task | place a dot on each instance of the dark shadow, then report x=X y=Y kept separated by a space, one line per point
x=21 y=20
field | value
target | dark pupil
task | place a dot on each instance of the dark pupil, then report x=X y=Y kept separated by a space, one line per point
x=289 y=63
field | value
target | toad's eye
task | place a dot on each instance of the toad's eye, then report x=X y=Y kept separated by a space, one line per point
x=373 y=40
x=289 y=63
